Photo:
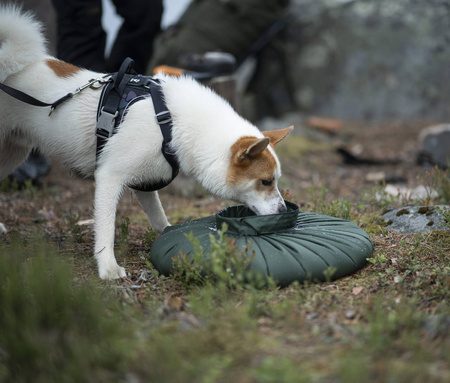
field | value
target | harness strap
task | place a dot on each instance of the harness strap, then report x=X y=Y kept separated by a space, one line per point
x=107 y=118
x=26 y=98
x=164 y=120
x=21 y=96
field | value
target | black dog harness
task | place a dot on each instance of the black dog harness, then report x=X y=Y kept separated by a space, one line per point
x=122 y=90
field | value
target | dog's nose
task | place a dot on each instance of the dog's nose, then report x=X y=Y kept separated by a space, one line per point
x=282 y=207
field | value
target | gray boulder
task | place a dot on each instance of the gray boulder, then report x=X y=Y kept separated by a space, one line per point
x=418 y=219
x=435 y=145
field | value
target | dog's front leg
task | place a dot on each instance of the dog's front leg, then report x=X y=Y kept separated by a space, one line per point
x=152 y=206
x=107 y=194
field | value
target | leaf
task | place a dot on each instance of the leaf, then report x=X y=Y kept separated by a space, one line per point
x=357 y=290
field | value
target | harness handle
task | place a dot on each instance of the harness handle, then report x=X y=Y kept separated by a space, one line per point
x=125 y=68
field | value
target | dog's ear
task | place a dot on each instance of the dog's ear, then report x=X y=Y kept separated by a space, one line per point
x=254 y=148
x=276 y=136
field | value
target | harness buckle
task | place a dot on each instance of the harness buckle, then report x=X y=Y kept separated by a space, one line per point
x=105 y=124
x=163 y=117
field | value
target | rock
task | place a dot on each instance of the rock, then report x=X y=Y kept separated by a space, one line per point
x=435 y=145
x=417 y=219
x=367 y=77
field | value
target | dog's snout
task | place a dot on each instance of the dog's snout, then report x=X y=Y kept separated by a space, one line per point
x=282 y=207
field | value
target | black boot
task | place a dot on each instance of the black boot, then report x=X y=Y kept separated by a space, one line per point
x=35 y=167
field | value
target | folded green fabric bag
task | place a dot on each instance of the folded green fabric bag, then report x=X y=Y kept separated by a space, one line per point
x=293 y=246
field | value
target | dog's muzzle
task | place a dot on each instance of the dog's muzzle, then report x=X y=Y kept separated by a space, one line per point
x=282 y=207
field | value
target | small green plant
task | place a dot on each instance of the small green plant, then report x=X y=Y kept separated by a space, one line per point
x=74 y=230
x=149 y=237
x=124 y=231
x=339 y=208
x=8 y=185
x=445 y=212
x=329 y=272
x=437 y=184
x=29 y=189
x=377 y=198
x=223 y=263
x=316 y=195
x=11 y=185
x=378 y=259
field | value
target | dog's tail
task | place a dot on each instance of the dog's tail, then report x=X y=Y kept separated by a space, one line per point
x=21 y=40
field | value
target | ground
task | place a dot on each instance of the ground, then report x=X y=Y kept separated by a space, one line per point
x=388 y=322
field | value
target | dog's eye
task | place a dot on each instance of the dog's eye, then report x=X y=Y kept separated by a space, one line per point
x=267 y=182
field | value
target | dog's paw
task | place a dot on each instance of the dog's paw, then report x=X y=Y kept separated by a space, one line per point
x=2 y=229
x=112 y=272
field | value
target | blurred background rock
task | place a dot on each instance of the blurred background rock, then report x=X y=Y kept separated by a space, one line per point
x=370 y=59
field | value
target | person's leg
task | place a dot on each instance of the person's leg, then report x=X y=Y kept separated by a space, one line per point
x=142 y=21
x=81 y=38
x=34 y=168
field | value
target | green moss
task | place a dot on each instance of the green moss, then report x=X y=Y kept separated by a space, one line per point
x=402 y=212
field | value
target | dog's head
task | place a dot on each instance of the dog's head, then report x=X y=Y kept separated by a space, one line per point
x=254 y=170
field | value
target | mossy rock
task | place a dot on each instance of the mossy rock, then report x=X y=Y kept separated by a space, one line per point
x=288 y=247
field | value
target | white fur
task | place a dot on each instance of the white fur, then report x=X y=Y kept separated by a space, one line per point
x=205 y=127
x=21 y=40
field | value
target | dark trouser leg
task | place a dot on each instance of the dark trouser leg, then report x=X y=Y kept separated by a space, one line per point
x=34 y=167
x=142 y=19
x=81 y=38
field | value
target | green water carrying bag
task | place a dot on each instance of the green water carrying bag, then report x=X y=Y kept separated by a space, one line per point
x=288 y=247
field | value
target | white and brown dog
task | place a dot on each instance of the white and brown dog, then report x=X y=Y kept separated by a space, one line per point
x=227 y=154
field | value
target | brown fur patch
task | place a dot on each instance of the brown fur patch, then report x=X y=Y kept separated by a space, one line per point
x=260 y=168
x=61 y=68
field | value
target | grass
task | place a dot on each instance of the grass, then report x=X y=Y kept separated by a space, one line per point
x=389 y=322
x=52 y=329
